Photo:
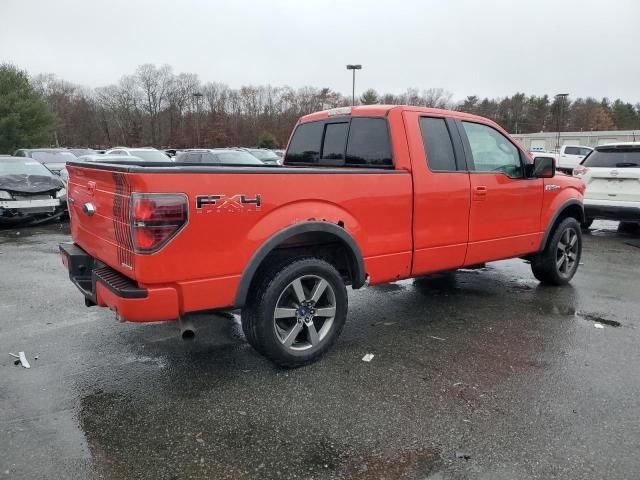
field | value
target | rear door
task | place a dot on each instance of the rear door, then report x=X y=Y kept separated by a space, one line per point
x=504 y=218
x=441 y=193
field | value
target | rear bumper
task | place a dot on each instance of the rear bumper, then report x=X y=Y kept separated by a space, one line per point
x=101 y=285
x=612 y=209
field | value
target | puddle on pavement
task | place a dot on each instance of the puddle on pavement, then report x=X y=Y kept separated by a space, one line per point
x=598 y=319
x=591 y=317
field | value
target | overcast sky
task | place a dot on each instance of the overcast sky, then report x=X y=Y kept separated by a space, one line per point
x=482 y=47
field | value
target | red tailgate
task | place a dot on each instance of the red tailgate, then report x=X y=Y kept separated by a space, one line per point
x=99 y=203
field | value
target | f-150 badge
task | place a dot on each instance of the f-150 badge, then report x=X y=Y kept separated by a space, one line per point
x=228 y=203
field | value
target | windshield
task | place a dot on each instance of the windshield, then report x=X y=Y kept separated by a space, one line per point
x=151 y=155
x=242 y=158
x=53 y=157
x=614 y=158
x=26 y=167
x=264 y=155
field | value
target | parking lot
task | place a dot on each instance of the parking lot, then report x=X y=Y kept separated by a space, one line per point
x=484 y=374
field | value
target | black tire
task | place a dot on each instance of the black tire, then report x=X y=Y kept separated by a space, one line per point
x=587 y=224
x=311 y=333
x=556 y=265
x=629 y=227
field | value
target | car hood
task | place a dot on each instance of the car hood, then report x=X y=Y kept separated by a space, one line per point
x=30 y=183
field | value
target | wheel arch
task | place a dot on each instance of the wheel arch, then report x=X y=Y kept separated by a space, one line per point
x=571 y=208
x=309 y=231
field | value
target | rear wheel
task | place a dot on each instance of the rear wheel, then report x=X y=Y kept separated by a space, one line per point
x=558 y=262
x=296 y=311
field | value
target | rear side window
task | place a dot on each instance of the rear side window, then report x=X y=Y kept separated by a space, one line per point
x=437 y=144
x=358 y=142
x=305 y=144
x=614 y=158
x=369 y=143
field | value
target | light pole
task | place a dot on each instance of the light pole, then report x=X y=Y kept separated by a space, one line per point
x=197 y=96
x=561 y=98
x=353 y=68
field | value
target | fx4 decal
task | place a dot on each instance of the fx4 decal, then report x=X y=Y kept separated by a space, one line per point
x=228 y=203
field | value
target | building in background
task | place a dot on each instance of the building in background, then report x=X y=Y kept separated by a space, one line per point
x=549 y=140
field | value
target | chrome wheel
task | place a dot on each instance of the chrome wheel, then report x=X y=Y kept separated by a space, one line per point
x=567 y=252
x=304 y=313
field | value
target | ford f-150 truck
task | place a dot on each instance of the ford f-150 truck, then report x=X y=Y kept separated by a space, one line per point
x=366 y=194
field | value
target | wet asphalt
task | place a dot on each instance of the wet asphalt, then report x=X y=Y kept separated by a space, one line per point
x=483 y=374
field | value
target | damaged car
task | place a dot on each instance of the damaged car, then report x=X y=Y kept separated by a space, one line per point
x=29 y=192
x=55 y=159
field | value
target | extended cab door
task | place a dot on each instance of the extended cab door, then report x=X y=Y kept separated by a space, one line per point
x=441 y=193
x=505 y=205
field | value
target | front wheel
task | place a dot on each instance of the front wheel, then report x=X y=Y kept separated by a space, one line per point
x=296 y=311
x=558 y=262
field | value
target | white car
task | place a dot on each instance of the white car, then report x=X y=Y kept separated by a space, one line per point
x=567 y=158
x=147 y=154
x=611 y=174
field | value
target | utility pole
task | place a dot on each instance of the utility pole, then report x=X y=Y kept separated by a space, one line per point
x=197 y=96
x=353 y=68
x=561 y=99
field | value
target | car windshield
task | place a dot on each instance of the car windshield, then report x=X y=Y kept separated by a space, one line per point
x=264 y=155
x=25 y=167
x=53 y=157
x=151 y=155
x=233 y=157
x=614 y=158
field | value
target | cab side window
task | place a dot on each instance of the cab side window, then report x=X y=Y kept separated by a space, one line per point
x=438 y=147
x=492 y=152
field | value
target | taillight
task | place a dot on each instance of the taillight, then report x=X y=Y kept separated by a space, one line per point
x=156 y=218
x=579 y=171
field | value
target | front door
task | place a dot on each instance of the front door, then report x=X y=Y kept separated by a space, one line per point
x=504 y=217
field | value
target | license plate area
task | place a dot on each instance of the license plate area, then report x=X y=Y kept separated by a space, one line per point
x=25 y=204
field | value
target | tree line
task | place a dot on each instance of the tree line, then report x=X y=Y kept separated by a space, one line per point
x=156 y=107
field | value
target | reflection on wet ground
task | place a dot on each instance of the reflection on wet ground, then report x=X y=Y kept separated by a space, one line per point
x=477 y=374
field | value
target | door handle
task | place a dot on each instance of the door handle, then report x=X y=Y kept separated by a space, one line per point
x=480 y=193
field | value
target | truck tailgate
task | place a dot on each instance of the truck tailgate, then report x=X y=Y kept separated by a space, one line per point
x=99 y=211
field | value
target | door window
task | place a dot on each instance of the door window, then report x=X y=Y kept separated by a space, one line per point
x=438 y=147
x=492 y=151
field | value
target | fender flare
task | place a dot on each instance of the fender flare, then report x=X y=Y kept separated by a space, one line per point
x=549 y=231
x=248 y=274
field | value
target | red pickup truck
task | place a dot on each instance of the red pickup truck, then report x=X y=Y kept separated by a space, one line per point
x=372 y=193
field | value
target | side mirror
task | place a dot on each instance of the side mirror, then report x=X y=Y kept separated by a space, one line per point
x=543 y=167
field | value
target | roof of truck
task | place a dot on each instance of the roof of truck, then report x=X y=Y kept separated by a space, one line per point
x=383 y=110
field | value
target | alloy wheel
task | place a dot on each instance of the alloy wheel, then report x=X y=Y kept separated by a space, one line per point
x=304 y=313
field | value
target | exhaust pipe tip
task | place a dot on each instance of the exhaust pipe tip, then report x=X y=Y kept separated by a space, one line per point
x=187 y=332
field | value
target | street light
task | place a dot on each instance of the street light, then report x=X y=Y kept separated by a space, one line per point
x=561 y=98
x=353 y=87
x=197 y=96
